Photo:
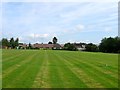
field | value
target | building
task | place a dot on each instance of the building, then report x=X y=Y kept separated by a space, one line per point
x=22 y=46
x=42 y=46
x=57 y=46
x=79 y=46
x=47 y=46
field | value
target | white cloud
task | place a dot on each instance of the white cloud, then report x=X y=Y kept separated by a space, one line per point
x=88 y=10
x=80 y=27
x=77 y=41
x=39 y=35
x=46 y=20
x=34 y=38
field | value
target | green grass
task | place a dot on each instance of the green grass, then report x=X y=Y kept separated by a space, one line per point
x=58 y=69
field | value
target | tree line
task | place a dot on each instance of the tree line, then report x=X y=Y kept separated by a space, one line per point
x=12 y=43
x=107 y=45
x=110 y=45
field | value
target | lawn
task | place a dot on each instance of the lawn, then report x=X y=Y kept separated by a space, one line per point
x=58 y=69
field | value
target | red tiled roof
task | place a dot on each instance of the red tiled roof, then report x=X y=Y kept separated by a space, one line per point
x=43 y=45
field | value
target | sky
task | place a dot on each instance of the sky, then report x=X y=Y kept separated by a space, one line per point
x=39 y=22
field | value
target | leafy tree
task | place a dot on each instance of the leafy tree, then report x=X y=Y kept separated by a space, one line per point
x=117 y=44
x=12 y=43
x=69 y=46
x=54 y=40
x=110 y=45
x=29 y=46
x=5 y=42
x=16 y=42
x=49 y=42
x=91 y=47
x=0 y=44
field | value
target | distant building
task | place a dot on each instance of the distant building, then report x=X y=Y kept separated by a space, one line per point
x=22 y=46
x=79 y=46
x=57 y=46
x=47 y=46
x=62 y=45
x=42 y=46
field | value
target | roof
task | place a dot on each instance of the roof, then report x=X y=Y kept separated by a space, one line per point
x=57 y=45
x=37 y=45
x=79 y=45
x=42 y=45
x=23 y=45
x=62 y=45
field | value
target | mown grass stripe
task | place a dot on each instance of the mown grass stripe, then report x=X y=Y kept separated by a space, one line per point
x=102 y=71
x=54 y=72
x=12 y=78
x=90 y=82
x=73 y=79
x=103 y=58
x=45 y=68
x=97 y=62
x=23 y=60
x=8 y=53
x=94 y=63
x=93 y=72
x=15 y=61
x=41 y=79
x=12 y=57
x=30 y=73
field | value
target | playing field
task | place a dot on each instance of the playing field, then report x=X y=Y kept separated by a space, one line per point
x=58 y=69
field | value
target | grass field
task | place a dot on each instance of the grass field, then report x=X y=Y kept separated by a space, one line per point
x=58 y=69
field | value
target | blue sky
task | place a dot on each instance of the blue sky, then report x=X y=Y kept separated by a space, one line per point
x=69 y=22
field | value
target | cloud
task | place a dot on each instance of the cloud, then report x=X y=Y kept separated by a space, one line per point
x=80 y=27
x=39 y=35
x=77 y=41
x=37 y=38
x=34 y=38
x=88 y=10
x=42 y=21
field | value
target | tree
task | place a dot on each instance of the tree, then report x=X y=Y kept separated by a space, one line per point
x=117 y=43
x=49 y=42
x=5 y=42
x=12 y=43
x=54 y=40
x=16 y=42
x=69 y=46
x=29 y=46
x=110 y=45
x=91 y=47
x=0 y=44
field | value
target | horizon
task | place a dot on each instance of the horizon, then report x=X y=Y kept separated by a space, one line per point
x=39 y=22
